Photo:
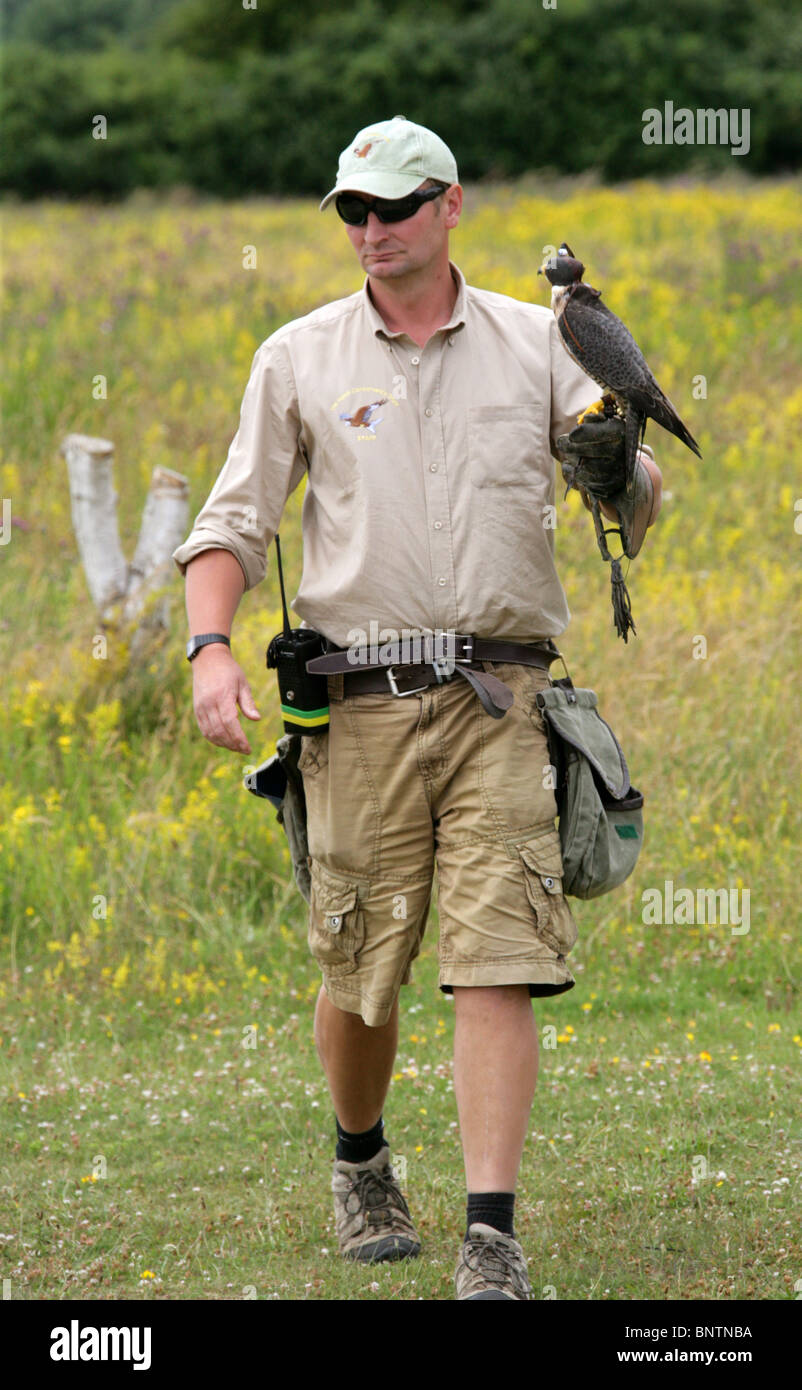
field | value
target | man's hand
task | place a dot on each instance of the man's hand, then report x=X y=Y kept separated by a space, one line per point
x=592 y=460
x=657 y=481
x=219 y=686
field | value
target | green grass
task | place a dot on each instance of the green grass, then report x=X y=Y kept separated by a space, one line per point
x=218 y=1155
x=147 y=906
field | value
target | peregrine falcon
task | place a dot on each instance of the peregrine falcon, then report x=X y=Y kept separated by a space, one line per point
x=601 y=345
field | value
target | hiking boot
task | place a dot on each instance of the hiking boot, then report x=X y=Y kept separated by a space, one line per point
x=372 y=1219
x=491 y=1265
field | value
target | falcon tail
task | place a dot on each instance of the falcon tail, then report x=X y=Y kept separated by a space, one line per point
x=659 y=408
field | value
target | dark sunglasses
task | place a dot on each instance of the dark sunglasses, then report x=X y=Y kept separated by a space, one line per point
x=354 y=210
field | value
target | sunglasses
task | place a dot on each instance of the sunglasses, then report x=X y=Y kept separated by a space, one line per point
x=354 y=210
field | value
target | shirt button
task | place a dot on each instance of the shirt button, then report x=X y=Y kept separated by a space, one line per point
x=432 y=467
x=441 y=580
x=414 y=361
x=427 y=412
x=437 y=525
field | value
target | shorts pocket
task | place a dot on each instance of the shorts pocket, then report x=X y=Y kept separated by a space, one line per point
x=314 y=754
x=336 y=920
x=542 y=860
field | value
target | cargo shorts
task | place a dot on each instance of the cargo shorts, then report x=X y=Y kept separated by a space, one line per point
x=398 y=787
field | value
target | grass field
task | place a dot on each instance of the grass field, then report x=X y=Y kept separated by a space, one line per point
x=167 y=1131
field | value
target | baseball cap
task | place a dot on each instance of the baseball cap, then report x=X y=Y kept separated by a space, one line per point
x=390 y=160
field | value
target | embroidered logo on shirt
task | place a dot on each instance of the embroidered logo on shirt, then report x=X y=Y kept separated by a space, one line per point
x=365 y=417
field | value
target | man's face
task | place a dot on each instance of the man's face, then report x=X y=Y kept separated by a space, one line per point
x=389 y=250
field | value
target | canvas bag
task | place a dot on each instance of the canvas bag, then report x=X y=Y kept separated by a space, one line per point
x=601 y=816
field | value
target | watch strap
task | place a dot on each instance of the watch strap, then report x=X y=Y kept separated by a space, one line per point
x=204 y=640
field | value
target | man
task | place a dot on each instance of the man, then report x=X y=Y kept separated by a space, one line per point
x=424 y=413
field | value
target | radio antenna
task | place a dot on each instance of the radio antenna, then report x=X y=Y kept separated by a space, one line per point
x=287 y=629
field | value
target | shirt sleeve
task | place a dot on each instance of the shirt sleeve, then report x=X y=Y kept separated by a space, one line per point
x=265 y=463
x=572 y=390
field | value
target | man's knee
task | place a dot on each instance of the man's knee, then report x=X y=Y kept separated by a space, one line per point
x=350 y=1020
x=490 y=998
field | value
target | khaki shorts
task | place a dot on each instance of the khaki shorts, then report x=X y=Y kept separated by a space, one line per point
x=396 y=786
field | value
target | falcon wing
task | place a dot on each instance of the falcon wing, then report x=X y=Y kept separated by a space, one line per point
x=604 y=347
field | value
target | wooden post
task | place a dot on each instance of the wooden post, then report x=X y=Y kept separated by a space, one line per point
x=164 y=526
x=94 y=518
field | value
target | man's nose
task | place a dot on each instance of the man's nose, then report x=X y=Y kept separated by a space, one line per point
x=374 y=229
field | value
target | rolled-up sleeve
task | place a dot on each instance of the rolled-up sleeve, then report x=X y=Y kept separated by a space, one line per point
x=265 y=463
x=572 y=390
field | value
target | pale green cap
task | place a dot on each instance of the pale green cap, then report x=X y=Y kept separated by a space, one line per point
x=391 y=159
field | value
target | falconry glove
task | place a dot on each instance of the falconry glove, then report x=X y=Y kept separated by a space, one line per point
x=593 y=460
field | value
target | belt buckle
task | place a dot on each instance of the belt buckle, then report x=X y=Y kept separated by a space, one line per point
x=401 y=693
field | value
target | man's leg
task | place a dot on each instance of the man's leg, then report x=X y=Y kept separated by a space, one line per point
x=495 y=1072
x=372 y=1217
x=358 y=1062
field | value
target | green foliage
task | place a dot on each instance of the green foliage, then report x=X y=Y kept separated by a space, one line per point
x=82 y=24
x=231 y=100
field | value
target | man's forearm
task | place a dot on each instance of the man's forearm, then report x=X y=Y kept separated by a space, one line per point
x=214 y=586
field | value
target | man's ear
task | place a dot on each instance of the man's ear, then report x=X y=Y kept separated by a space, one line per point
x=452 y=201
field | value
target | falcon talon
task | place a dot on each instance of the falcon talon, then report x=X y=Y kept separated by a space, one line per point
x=596 y=410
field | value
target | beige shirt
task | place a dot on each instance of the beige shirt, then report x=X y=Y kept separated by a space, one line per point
x=430 y=498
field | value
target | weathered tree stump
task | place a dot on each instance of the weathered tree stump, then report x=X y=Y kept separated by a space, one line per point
x=117 y=588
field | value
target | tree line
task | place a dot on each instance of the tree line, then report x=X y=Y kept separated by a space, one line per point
x=239 y=97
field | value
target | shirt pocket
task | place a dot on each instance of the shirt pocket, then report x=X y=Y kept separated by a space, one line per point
x=336 y=920
x=504 y=445
x=554 y=921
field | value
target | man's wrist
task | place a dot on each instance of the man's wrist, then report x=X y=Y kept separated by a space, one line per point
x=656 y=476
x=207 y=655
x=201 y=641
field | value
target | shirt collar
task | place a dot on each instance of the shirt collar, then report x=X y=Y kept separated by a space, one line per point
x=457 y=319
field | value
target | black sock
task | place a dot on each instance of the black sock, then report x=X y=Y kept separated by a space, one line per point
x=492 y=1209
x=358 y=1148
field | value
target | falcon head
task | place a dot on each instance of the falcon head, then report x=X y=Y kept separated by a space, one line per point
x=564 y=269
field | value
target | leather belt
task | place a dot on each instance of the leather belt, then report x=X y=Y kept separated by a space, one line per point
x=463 y=657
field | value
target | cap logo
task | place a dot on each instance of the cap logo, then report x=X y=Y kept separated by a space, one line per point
x=360 y=154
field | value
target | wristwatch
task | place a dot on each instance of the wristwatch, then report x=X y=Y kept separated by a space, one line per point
x=195 y=643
